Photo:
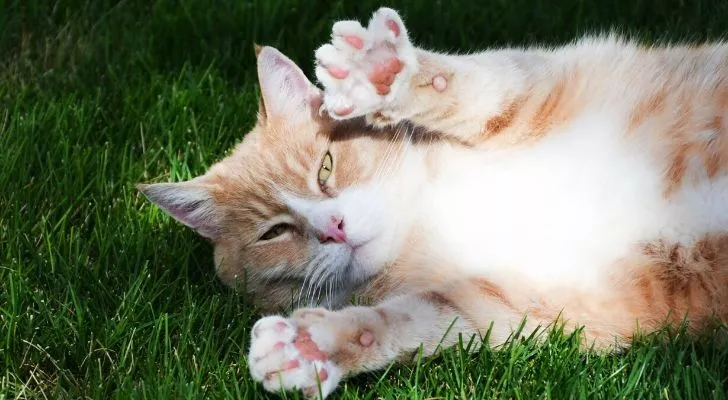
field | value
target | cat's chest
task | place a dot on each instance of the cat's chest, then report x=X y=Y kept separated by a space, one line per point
x=549 y=210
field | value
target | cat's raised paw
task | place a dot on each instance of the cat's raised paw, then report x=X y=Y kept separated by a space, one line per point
x=366 y=70
x=284 y=356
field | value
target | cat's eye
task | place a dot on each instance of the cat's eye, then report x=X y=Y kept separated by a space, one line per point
x=327 y=165
x=275 y=231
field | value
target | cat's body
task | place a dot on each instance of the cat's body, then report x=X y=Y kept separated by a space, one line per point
x=587 y=183
x=632 y=152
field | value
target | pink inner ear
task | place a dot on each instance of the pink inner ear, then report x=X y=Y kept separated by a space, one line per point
x=188 y=203
x=283 y=85
x=294 y=79
x=187 y=213
x=196 y=215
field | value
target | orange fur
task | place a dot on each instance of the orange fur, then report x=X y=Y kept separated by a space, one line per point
x=504 y=120
x=647 y=108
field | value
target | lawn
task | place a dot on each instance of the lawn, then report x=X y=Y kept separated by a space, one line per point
x=103 y=296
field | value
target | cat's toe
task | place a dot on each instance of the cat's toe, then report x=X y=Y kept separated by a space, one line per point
x=339 y=105
x=332 y=66
x=350 y=37
x=386 y=24
x=397 y=58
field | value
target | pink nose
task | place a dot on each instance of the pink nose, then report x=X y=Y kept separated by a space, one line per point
x=334 y=232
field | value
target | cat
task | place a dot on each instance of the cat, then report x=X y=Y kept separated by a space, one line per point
x=460 y=194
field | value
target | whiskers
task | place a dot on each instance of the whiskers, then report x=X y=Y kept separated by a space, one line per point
x=322 y=283
x=394 y=154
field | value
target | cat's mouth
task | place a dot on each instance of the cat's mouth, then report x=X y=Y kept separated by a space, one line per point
x=352 y=267
x=350 y=263
x=358 y=245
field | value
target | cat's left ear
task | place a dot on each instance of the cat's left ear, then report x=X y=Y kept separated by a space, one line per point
x=285 y=90
x=190 y=203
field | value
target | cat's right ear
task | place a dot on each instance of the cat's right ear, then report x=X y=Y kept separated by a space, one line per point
x=190 y=203
x=285 y=91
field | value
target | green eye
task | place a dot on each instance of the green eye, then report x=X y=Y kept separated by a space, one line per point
x=325 y=171
x=275 y=231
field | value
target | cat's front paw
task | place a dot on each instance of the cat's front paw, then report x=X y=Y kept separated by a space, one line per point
x=367 y=71
x=293 y=354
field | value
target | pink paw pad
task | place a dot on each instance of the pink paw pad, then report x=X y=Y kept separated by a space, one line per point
x=355 y=42
x=382 y=75
x=308 y=348
x=366 y=338
x=287 y=366
x=292 y=364
x=366 y=70
x=342 y=111
x=337 y=72
x=392 y=25
x=439 y=83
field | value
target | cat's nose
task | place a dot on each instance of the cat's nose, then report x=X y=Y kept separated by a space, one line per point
x=334 y=231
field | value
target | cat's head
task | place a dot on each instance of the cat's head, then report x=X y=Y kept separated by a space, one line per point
x=305 y=208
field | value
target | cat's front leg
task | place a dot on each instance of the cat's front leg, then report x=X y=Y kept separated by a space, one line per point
x=316 y=348
x=313 y=349
x=378 y=73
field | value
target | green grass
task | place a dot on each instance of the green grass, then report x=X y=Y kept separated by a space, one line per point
x=103 y=296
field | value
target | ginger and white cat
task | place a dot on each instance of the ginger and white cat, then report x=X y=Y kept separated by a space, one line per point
x=587 y=183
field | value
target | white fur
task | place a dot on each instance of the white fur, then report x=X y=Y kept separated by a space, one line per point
x=558 y=212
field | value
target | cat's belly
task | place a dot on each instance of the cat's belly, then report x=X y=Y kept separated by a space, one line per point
x=563 y=210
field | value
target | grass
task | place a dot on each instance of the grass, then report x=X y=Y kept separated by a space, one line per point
x=102 y=296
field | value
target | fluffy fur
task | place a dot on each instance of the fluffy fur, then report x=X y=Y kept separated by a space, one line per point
x=586 y=183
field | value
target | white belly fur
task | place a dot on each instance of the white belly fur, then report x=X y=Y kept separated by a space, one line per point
x=563 y=210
